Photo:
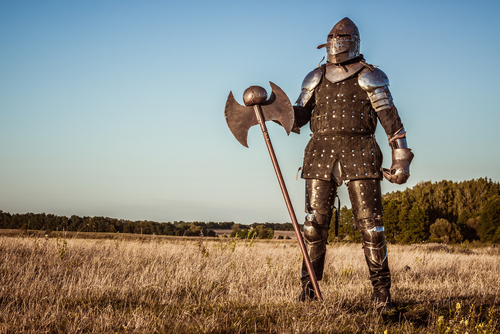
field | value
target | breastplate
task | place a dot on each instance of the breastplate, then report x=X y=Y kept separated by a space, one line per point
x=342 y=108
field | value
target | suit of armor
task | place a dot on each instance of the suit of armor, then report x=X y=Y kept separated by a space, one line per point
x=343 y=100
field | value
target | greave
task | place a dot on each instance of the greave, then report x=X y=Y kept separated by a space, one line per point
x=375 y=248
x=315 y=240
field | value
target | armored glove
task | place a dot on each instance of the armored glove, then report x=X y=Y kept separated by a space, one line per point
x=400 y=169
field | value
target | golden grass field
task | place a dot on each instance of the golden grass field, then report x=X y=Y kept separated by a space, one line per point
x=171 y=285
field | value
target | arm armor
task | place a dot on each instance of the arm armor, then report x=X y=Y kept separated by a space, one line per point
x=308 y=85
x=376 y=84
x=401 y=159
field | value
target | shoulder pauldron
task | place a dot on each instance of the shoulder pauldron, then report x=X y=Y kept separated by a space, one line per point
x=310 y=82
x=376 y=84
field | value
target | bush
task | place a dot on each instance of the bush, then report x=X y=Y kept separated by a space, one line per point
x=444 y=231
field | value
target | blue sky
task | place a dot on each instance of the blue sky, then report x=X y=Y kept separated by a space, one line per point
x=115 y=108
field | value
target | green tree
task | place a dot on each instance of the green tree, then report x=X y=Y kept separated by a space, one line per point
x=416 y=229
x=196 y=230
x=489 y=230
x=264 y=232
x=347 y=228
x=444 y=231
x=391 y=219
x=75 y=223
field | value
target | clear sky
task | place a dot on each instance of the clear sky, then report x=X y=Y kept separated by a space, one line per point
x=116 y=108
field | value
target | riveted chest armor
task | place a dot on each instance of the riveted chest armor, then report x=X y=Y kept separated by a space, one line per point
x=343 y=124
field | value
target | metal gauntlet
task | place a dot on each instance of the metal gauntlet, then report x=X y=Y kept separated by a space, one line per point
x=401 y=159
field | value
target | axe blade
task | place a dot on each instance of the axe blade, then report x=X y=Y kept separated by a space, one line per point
x=278 y=108
x=241 y=118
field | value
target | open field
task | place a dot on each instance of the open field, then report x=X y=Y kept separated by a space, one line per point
x=129 y=236
x=290 y=234
x=162 y=285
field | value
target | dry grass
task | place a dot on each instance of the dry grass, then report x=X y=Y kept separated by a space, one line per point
x=170 y=285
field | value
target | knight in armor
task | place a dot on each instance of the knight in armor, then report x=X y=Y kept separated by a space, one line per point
x=343 y=100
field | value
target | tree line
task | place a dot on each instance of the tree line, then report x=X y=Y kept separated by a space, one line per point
x=50 y=222
x=445 y=211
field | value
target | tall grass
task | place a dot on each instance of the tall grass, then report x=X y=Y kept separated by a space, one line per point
x=232 y=286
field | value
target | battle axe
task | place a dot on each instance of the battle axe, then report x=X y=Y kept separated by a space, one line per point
x=257 y=110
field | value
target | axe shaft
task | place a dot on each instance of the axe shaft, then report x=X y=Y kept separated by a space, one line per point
x=310 y=270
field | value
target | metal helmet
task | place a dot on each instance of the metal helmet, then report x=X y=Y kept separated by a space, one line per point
x=343 y=42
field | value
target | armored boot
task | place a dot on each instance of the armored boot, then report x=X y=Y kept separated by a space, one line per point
x=307 y=291
x=315 y=241
x=319 y=202
x=366 y=200
x=375 y=248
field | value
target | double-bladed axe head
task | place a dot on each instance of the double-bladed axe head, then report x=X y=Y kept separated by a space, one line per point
x=240 y=118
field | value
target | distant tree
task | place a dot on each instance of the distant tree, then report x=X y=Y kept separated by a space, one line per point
x=168 y=229
x=225 y=225
x=4 y=219
x=347 y=227
x=196 y=230
x=468 y=223
x=75 y=223
x=38 y=222
x=111 y=228
x=212 y=225
x=242 y=234
x=489 y=230
x=444 y=231
x=391 y=219
x=416 y=228
x=264 y=232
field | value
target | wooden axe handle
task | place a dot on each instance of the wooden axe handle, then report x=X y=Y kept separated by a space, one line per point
x=291 y=212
